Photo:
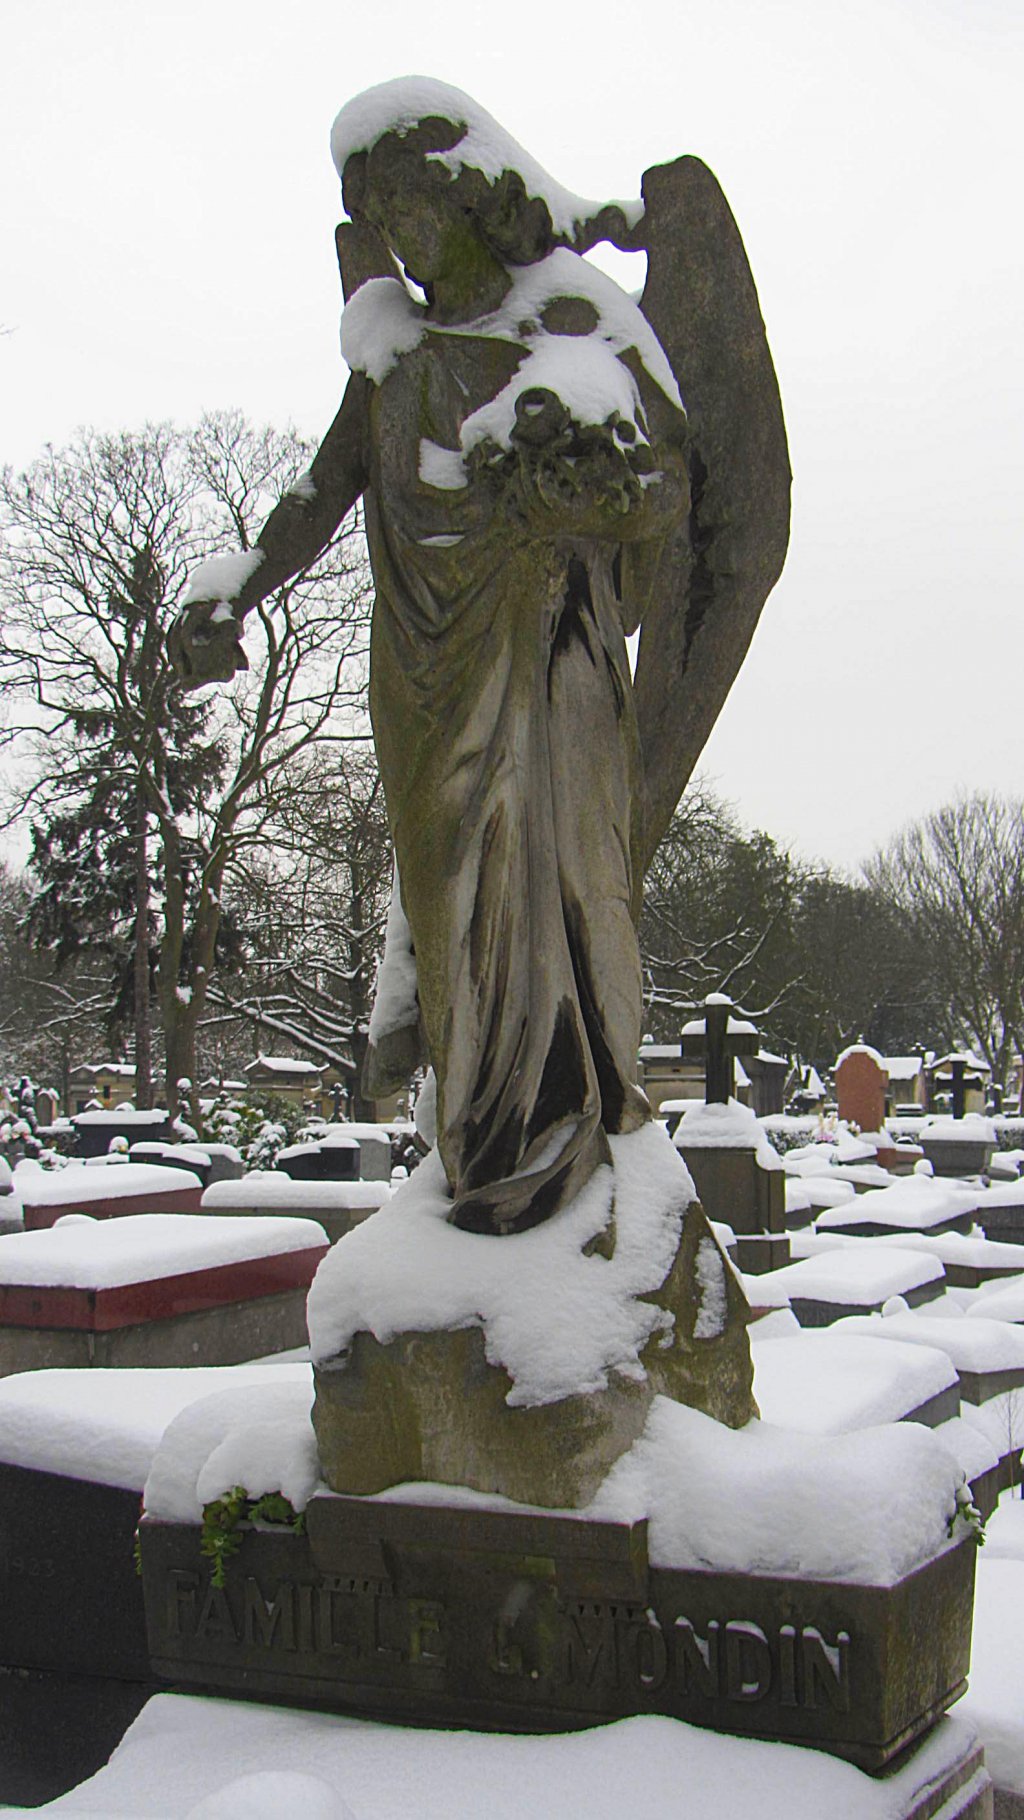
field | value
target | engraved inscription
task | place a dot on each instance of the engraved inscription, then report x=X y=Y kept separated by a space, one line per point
x=591 y=1646
x=359 y=1622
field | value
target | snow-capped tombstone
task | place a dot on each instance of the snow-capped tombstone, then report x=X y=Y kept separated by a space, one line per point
x=959 y=1146
x=737 y=1175
x=861 y=1084
x=1001 y=1212
x=95 y=1128
x=313 y=1160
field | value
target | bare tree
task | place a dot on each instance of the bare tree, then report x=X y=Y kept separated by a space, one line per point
x=313 y=903
x=716 y=915
x=96 y=544
x=957 y=876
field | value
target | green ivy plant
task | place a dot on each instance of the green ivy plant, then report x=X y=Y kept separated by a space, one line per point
x=223 y=1518
x=966 y=1511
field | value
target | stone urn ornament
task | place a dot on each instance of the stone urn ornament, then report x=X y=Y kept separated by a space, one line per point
x=546 y=466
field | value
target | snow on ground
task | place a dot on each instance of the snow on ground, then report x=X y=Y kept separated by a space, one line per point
x=82 y=1253
x=184 y=1750
x=824 y=1381
x=993 y=1699
x=1004 y=1531
x=107 y=1425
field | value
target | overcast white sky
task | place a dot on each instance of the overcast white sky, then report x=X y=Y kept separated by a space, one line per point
x=167 y=247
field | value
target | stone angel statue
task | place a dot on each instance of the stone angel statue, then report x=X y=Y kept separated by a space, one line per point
x=546 y=466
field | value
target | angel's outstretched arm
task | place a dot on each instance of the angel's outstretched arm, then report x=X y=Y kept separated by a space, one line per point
x=205 y=641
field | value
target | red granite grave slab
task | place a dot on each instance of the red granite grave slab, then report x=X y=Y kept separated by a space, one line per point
x=187 y=1199
x=160 y=1298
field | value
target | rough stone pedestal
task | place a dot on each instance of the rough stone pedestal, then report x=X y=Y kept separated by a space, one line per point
x=428 y=1406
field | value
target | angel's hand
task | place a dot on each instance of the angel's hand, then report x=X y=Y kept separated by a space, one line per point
x=205 y=644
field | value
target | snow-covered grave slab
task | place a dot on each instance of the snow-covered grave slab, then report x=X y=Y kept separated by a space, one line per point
x=840 y=1380
x=1002 y=1301
x=857 y=1278
x=821 y=1190
x=988 y=1354
x=336 y=1206
x=106 y=1191
x=978 y=1458
x=1001 y=1421
x=917 y=1203
x=223 y=1760
x=75 y=1451
x=862 y=1177
x=155 y=1289
x=210 y=1162
x=969 y=1263
x=1001 y=1212
x=958 y=1147
x=105 y=1427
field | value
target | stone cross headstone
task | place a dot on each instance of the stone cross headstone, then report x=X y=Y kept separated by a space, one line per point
x=720 y=1039
x=958 y=1086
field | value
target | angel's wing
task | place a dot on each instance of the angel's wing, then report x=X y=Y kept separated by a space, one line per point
x=717 y=571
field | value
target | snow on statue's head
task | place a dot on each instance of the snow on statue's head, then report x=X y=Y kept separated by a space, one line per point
x=415 y=147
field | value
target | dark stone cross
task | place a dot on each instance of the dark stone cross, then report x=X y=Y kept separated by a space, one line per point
x=959 y=1078
x=719 y=1038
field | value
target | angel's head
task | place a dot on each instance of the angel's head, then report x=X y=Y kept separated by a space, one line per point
x=424 y=162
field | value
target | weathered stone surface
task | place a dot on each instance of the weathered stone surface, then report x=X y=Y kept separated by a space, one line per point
x=429 y=1406
x=55 y=1730
x=713 y=1373
x=69 y=1594
x=758 y=1252
x=734 y=1187
x=226 y=1335
x=957 y=1156
x=542 y=1622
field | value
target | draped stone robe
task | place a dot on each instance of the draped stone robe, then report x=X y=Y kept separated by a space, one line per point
x=503 y=717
